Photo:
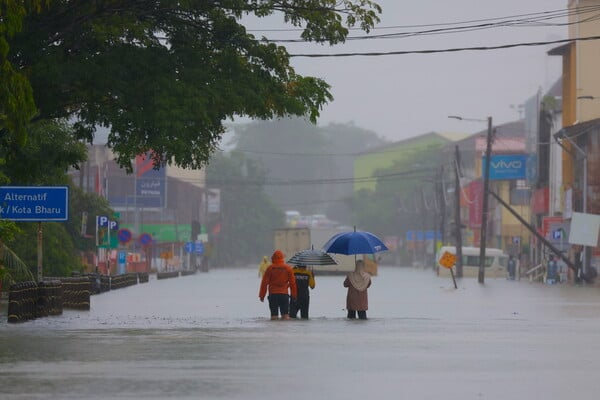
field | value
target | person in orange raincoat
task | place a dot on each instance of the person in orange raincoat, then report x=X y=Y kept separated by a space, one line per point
x=280 y=283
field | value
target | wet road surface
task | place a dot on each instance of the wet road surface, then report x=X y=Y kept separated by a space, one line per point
x=208 y=336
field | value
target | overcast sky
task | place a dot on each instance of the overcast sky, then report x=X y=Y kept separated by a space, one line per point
x=400 y=96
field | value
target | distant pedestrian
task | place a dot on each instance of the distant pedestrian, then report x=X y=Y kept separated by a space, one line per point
x=262 y=267
x=280 y=283
x=305 y=281
x=578 y=264
x=357 y=300
x=552 y=271
x=512 y=267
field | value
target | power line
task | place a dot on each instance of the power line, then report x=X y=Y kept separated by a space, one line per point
x=449 y=50
x=520 y=23
x=420 y=174
x=561 y=13
x=531 y=20
x=404 y=149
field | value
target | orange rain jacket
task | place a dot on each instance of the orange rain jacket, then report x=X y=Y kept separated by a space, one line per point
x=278 y=278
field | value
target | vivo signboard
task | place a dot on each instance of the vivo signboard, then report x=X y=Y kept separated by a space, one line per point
x=507 y=166
x=34 y=203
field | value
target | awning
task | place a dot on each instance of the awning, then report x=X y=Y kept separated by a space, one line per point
x=578 y=129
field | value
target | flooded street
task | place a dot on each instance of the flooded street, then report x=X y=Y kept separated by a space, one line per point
x=208 y=336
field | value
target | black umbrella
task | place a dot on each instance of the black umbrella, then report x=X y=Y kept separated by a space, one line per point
x=311 y=257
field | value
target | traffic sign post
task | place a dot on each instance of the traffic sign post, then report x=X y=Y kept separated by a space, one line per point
x=199 y=247
x=145 y=239
x=447 y=260
x=104 y=240
x=35 y=204
x=124 y=235
x=189 y=248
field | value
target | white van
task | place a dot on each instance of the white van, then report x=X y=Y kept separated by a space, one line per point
x=496 y=262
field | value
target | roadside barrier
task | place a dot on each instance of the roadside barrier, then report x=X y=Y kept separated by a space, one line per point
x=185 y=272
x=76 y=292
x=50 y=298
x=166 y=275
x=29 y=300
x=22 y=301
x=124 y=280
x=143 y=277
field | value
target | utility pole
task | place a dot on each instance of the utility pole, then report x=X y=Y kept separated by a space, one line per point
x=424 y=242
x=457 y=218
x=442 y=197
x=440 y=214
x=484 y=211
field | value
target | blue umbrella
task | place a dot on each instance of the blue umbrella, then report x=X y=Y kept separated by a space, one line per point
x=355 y=242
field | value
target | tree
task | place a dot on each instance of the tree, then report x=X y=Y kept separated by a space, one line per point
x=44 y=160
x=165 y=75
x=12 y=268
x=64 y=243
x=404 y=196
x=248 y=217
x=51 y=149
x=294 y=155
x=309 y=168
x=16 y=96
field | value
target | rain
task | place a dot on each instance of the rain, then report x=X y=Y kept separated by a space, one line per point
x=197 y=329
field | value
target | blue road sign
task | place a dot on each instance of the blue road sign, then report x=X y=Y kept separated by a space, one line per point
x=34 y=203
x=199 y=247
x=124 y=235
x=103 y=222
x=145 y=239
x=189 y=247
x=430 y=235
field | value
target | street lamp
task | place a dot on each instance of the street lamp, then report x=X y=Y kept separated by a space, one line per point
x=486 y=185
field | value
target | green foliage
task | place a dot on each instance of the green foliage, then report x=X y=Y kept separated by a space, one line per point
x=248 y=216
x=83 y=208
x=165 y=75
x=63 y=242
x=50 y=151
x=308 y=168
x=17 y=105
x=12 y=268
x=405 y=195
x=60 y=256
x=44 y=160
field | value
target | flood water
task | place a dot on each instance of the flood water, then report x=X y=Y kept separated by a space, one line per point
x=208 y=336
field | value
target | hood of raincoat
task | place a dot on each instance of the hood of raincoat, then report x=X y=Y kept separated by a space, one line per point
x=278 y=257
